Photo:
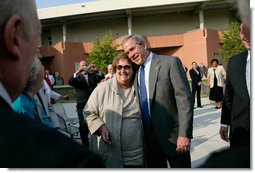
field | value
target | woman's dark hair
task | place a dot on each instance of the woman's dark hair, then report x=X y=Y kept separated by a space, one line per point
x=123 y=56
x=215 y=61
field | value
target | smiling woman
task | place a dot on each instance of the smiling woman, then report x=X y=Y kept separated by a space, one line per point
x=113 y=116
x=53 y=3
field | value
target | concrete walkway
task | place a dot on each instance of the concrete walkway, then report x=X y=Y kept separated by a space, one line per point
x=206 y=126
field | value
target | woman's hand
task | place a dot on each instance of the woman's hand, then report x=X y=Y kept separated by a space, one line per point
x=105 y=134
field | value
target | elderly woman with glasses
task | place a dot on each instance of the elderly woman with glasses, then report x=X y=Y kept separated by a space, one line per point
x=114 y=119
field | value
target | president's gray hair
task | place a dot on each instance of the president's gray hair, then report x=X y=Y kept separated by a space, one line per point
x=137 y=38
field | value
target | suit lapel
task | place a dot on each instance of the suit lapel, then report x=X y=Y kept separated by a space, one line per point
x=153 y=75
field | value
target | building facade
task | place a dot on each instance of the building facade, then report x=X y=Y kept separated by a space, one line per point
x=189 y=29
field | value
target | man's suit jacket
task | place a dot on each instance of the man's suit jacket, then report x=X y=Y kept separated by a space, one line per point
x=195 y=78
x=236 y=101
x=83 y=89
x=27 y=144
x=170 y=98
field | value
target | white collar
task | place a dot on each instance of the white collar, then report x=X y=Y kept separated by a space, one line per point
x=148 y=60
x=4 y=94
x=248 y=56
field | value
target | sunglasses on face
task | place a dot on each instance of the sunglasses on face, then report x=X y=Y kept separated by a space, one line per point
x=126 y=67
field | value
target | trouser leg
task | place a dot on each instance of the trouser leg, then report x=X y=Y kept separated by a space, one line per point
x=154 y=156
x=84 y=131
x=180 y=160
x=198 y=96
x=193 y=95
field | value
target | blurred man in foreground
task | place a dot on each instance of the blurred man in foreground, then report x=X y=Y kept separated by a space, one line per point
x=23 y=142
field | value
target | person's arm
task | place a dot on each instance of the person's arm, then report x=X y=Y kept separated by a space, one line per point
x=226 y=108
x=224 y=132
x=224 y=74
x=91 y=112
x=52 y=80
x=184 y=104
x=50 y=93
x=208 y=78
x=191 y=74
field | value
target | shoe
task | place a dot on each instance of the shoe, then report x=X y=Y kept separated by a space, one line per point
x=216 y=107
x=200 y=106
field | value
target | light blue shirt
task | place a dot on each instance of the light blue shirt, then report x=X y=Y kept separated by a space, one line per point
x=27 y=106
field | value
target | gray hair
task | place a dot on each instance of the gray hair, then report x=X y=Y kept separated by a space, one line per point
x=137 y=38
x=34 y=71
x=109 y=66
x=22 y=8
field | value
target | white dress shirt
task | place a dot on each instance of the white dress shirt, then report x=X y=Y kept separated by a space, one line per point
x=248 y=72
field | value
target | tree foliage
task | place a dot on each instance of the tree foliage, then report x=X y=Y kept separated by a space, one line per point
x=232 y=43
x=103 y=52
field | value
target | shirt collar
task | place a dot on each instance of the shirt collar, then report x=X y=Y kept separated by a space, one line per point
x=148 y=60
x=4 y=94
x=248 y=56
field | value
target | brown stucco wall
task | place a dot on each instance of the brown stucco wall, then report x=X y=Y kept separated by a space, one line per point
x=197 y=45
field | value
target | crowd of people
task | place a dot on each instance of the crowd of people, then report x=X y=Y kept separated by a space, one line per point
x=139 y=115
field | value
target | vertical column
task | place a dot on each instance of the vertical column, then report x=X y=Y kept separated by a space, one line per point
x=64 y=35
x=201 y=18
x=129 y=14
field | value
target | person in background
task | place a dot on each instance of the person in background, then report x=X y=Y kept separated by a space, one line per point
x=196 y=83
x=114 y=118
x=185 y=69
x=93 y=69
x=24 y=143
x=110 y=73
x=49 y=78
x=166 y=105
x=202 y=70
x=44 y=98
x=84 y=82
x=236 y=104
x=25 y=104
x=215 y=78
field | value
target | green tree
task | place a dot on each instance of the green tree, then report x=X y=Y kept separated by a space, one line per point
x=232 y=43
x=103 y=52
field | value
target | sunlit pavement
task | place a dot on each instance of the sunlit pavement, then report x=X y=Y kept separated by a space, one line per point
x=206 y=126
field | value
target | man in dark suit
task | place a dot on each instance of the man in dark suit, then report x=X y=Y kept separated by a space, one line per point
x=25 y=143
x=84 y=81
x=196 y=83
x=236 y=102
x=166 y=105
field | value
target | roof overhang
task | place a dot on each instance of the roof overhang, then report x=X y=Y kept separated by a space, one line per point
x=103 y=9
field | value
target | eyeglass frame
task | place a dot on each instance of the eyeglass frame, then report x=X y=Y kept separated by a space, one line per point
x=126 y=67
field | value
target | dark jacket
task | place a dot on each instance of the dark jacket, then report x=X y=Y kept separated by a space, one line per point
x=27 y=144
x=195 y=77
x=83 y=89
x=236 y=101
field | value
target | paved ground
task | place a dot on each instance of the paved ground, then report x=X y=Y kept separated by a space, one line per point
x=205 y=131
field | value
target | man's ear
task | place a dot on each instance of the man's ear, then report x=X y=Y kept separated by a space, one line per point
x=13 y=35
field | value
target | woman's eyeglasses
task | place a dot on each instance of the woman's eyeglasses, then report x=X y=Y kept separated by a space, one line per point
x=126 y=67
